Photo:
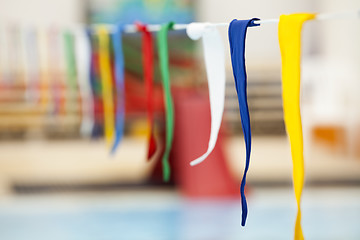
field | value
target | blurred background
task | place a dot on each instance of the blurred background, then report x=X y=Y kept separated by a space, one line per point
x=57 y=184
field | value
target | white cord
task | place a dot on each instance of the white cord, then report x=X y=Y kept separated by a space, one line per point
x=131 y=28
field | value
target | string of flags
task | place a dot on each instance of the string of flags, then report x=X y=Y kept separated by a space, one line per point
x=81 y=69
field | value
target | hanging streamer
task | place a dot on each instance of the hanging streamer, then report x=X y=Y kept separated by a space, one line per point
x=290 y=46
x=164 y=68
x=55 y=62
x=120 y=86
x=83 y=61
x=148 y=63
x=44 y=82
x=32 y=63
x=215 y=69
x=70 y=70
x=95 y=83
x=237 y=36
x=26 y=49
x=106 y=80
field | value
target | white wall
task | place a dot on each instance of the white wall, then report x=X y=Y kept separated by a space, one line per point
x=42 y=12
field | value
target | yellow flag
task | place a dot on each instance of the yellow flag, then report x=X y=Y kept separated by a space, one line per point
x=106 y=82
x=290 y=47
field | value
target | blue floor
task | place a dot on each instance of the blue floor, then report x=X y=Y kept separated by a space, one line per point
x=327 y=214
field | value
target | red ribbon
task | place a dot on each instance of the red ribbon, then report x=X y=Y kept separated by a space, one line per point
x=148 y=64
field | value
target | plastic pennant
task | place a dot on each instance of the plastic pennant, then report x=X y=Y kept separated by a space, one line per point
x=169 y=108
x=148 y=62
x=215 y=70
x=106 y=80
x=120 y=86
x=290 y=47
x=237 y=37
x=83 y=61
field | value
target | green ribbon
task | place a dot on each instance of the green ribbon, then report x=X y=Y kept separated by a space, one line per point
x=169 y=109
x=70 y=67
